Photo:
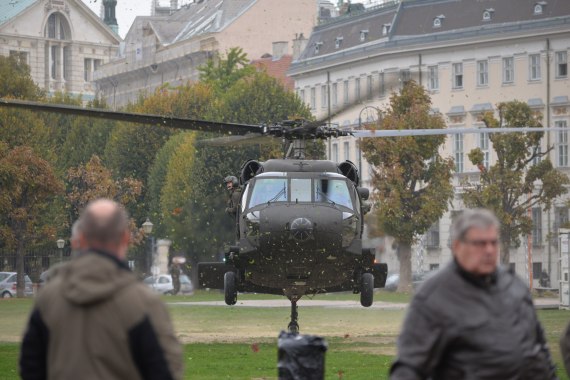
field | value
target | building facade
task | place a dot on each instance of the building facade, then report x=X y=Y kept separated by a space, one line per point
x=469 y=56
x=168 y=49
x=62 y=41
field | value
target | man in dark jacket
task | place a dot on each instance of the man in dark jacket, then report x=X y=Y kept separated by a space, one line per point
x=94 y=320
x=473 y=320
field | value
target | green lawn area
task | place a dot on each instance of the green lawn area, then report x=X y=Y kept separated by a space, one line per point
x=240 y=342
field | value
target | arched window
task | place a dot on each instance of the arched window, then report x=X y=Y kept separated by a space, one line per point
x=57 y=27
x=436 y=22
x=538 y=9
x=58 y=34
x=486 y=16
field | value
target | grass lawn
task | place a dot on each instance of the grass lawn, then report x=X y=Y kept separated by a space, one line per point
x=240 y=342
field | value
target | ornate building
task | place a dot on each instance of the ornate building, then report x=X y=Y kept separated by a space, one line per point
x=62 y=41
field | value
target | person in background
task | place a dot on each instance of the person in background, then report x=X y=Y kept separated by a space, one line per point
x=473 y=319
x=95 y=320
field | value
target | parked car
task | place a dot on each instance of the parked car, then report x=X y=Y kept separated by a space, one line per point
x=393 y=280
x=163 y=284
x=8 y=285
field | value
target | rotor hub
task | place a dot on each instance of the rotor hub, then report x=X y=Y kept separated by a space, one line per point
x=301 y=229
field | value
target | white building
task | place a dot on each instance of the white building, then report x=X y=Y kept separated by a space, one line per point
x=62 y=41
x=169 y=48
x=470 y=55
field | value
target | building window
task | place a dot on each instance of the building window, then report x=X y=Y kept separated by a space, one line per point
x=508 y=70
x=67 y=62
x=313 y=103
x=458 y=152
x=334 y=95
x=324 y=97
x=482 y=73
x=561 y=64
x=536 y=227
x=357 y=89
x=369 y=84
x=488 y=14
x=538 y=9
x=346 y=150
x=334 y=152
x=338 y=42
x=562 y=143
x=433 y=78
x=386 y=29
x=318 y=47
x=382 y=85
x=19 y=56
x=536 y=151
x=437 y=22
x=345 y=92
x=363 y=35
x=405 y=76
x=534 y=67
x=458 y=75
x=301 y=95
x=54 y=61
x=433 y=267
x=432 y=236
x=484 y=146
x=57 y=27
x=537 y=270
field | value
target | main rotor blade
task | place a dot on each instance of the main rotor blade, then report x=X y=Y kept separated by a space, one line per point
x=165 y=121
x=447 y=131
x=243 y=140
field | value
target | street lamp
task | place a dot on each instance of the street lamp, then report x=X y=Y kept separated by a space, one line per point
x=60 y=244
x=147 y=229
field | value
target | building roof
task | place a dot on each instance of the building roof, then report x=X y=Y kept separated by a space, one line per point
x=277 y=68
x=412 y=23
x=196 y=18
x=11 y=8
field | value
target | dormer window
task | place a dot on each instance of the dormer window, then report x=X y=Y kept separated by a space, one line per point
x=386 y=29
x=437 y=21
x=318 y=47
x=539 y=7
x=488 y=14
x=363 y=35
x=338 y=42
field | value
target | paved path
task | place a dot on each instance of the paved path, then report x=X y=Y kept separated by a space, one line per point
x=540 y=303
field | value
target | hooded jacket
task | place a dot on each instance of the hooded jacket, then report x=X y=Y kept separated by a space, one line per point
x=95 y=320
x=463 y=327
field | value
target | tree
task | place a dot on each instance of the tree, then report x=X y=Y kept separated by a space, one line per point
x=221 y=73
x=517 y=182
x=28 y=187
x=412 y=182
x=16 y=81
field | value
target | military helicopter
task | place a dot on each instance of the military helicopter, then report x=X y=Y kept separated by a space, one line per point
x=299 y=222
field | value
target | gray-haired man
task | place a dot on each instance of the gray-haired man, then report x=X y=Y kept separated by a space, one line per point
x=473 y=320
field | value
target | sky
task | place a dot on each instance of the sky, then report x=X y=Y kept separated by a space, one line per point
x=127 y=10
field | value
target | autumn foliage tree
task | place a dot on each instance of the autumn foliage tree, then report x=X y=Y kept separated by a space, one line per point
x=522 y=177
x=28 y=186
x=412 y=182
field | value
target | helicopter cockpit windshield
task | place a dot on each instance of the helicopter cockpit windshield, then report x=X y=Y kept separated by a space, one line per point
x=317 y=190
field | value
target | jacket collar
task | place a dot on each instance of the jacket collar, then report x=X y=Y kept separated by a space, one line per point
x=120 y=263
x=485 y=281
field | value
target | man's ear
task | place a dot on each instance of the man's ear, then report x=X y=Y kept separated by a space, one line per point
x=126 y=237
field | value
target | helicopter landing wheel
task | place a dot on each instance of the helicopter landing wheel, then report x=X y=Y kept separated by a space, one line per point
x=230 y=291
x=367 y=289
x=293 y=325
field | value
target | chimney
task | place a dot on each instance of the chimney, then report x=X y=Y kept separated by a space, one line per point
x=280 y=48
x=299 y=44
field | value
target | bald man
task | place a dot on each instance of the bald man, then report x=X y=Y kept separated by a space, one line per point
x=94 y=320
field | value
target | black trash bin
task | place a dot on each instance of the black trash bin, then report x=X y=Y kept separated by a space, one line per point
x=301 y=357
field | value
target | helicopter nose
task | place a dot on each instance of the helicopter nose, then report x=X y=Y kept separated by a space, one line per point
x=301 y=229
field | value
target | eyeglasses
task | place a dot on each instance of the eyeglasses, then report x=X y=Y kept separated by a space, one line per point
x=482 y=243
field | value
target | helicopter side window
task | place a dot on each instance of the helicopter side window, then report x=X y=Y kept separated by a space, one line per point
x=267 y=190
x=300 y=190
x=333 y=191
